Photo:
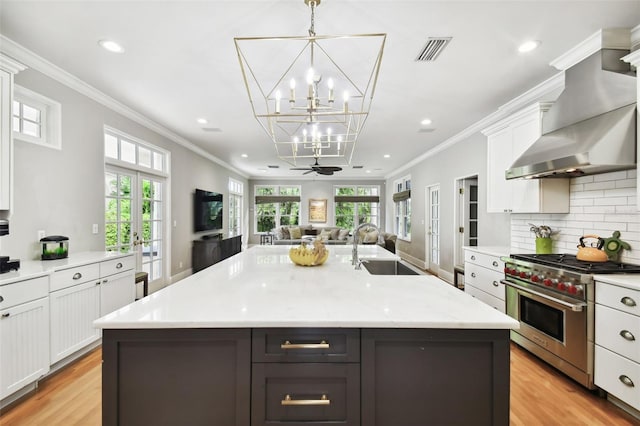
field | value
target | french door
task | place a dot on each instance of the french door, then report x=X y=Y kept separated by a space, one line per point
x=432 y=240
x=135 y=219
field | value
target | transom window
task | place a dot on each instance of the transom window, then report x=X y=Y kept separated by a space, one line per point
x=130 y=151
x=275 y=206
x=356 y=204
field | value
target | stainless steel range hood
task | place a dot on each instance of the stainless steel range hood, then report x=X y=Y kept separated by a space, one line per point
x=591 y=128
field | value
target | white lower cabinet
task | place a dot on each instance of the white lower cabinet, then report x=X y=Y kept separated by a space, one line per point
x=617 y=350
x=73 y=311
x=117 y=291
x=482 y=275
x=24 y=333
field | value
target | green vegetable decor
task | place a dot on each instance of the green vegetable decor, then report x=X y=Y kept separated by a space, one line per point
x=614 y=245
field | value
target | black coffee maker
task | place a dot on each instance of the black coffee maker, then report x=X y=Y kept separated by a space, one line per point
x=7 y=264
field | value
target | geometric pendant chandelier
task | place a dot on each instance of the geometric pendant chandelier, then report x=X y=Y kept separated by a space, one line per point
x=311 y=94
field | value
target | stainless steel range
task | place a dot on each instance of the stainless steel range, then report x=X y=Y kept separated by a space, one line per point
x=552 y=296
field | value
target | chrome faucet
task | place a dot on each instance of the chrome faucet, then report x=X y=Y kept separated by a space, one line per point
x=356 y=236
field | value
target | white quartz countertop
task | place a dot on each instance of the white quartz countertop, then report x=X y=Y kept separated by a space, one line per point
x=631 y=281
x=38 y=268
x=261 y=287
x=490 y=250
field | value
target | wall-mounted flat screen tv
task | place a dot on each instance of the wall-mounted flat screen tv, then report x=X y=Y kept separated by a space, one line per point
x=207 y=210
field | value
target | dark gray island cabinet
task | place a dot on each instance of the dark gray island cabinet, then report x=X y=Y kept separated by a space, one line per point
x=305 y=376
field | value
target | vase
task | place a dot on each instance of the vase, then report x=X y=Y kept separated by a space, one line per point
x=543 y=245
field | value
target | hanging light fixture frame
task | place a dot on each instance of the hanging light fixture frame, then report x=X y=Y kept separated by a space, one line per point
x=311 y=123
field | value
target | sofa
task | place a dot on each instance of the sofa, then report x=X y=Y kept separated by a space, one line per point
x=292 y=235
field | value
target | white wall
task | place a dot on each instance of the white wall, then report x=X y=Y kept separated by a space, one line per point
x=62 y=191
x=320 y=188
x=599 y=204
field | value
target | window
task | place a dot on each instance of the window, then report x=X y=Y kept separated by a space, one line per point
x=126 y=151
x=402 y=204
x=276 y=206
x=235 y=207
x=118 y=204
x=36 y=118
x=355 y=205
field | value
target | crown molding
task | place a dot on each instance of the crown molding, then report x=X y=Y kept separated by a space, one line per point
x=633 y=58
x=38 y=63
x=10 y=64
x=526 y=100
x=610 y=38
x=635 y=37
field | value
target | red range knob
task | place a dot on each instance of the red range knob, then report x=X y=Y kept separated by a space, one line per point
x=573 y=289
x=523 y=274
x=535 y=278
x=506 y=270
x=514 y=272
x=547 y=282
x=562 y=286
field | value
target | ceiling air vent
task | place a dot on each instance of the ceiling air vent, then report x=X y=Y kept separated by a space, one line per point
x=273 y=167
x=357 y=167
x=211 y=129
x=432 y=49
x=425 y=130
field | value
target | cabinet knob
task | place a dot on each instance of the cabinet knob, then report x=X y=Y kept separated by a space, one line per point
x=98 y=283
x=628 y=301
x=627 y=335
x=495 y=263
x=473 y=274
x=1 y=299
x=6 y=315
x=473 y=257
x=104 y=281
x=77 y=276
x=119 y=265
x=495 y=284
x=626 y=381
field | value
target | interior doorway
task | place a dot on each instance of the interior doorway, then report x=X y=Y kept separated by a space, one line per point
x=432 y=227
x=466 y=223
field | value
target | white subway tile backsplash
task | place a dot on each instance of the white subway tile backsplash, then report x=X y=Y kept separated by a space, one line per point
x=599 y=204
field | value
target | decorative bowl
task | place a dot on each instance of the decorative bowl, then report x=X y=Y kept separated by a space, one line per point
x=305 y=255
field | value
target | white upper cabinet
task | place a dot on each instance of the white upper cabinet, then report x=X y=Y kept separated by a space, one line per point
x=8 y=67
x=506 y=141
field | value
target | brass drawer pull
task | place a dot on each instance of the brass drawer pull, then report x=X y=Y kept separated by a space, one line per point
x=290 y=401
x=627 y=335
x=288 y=345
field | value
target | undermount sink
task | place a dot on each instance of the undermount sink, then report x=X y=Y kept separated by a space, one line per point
x=389 y=267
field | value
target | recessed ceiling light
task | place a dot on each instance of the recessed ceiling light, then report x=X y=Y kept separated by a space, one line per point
x=528 y=46
x=111 y=46
x=425 y=122
x=387 y=156
x=244 y=155
x=202 y=121
x=367 y=171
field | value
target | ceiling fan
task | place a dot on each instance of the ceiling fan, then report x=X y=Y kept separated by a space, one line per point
x=321 y=170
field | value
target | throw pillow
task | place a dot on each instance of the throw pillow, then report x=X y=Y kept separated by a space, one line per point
x=342 y=235
x=334 y=233
x=370 y=237
x=295 y=233
x=286 y=235
x=325 y=235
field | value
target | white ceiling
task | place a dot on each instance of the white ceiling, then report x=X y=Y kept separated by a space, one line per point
x=180 y=62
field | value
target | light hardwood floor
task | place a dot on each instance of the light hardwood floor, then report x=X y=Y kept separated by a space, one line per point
x=540 y=395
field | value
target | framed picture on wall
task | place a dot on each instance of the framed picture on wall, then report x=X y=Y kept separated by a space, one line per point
x=317 y=210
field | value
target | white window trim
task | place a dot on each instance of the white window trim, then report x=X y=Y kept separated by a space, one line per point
x=138 y=142
x=236 y=189
x=398 y=220
x=50 y=118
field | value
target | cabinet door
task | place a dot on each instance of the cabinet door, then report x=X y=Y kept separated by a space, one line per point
x=24 y=351
x=498 y=160
x=525 y=193
x=6 y=81
x=117 y=291
x=73 y=311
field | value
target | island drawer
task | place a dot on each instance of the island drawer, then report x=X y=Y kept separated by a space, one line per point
x=306 y=345
x=313 y=393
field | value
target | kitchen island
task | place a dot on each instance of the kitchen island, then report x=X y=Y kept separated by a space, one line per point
x=258 y=340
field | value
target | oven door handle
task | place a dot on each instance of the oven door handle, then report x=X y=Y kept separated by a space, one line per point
x=575 y=307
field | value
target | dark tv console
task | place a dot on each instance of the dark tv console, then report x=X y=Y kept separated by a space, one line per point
x=207 y=252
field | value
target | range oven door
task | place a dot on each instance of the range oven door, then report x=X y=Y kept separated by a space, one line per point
x=553 y=324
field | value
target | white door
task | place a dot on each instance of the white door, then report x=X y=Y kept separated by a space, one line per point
x=134 y=219
x=432 y=240
x=466 y=216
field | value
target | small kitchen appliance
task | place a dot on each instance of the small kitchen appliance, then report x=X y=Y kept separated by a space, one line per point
x=54 y=247
x=552 y=296
x=7 y=264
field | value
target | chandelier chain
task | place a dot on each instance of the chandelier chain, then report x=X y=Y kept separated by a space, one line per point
x=312 y=31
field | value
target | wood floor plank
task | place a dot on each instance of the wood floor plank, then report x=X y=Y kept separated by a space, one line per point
x=540 y=395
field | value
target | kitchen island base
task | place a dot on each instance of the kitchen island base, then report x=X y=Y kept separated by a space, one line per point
x=397 y=376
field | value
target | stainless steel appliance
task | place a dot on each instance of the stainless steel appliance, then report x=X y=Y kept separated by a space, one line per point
x=552 y=296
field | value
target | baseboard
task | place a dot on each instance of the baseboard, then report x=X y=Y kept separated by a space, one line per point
x=446 y=276
x=179 y=276
x=412 y=260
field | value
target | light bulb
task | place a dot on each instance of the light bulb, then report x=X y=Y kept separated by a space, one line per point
x=292 y=83
x=330 y=86
x=310 y=76
x=330 y=83
x=292 y=90
x=329 y=134
x=278 y=97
